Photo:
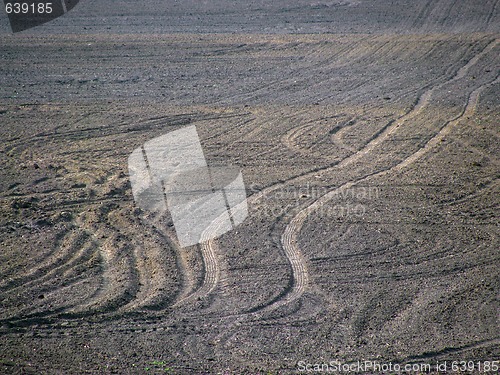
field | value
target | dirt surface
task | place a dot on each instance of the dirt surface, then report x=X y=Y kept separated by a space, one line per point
x=368 y=139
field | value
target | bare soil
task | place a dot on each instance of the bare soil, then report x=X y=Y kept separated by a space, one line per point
x=369 y=148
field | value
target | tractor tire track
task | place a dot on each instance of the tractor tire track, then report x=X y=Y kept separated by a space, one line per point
x=299 y=276
x=454 y=350
x=289 y=237
x=423 y=14
x=211 y=271
x=50 y=264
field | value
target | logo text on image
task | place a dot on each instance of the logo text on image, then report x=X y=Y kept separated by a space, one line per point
x=171 y=172
x=24 y=15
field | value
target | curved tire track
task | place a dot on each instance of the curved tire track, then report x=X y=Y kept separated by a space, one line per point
x=290 y=236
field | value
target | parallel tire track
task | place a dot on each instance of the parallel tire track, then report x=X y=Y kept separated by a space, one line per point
x=291 y=233
x=290 y=236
